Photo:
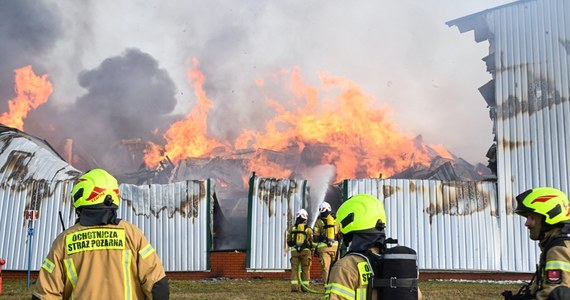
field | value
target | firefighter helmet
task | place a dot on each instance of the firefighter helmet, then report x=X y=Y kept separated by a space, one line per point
x=361 y=212
x=324 y=207
x=549 y=202
x=301 y=213
x=95 y=187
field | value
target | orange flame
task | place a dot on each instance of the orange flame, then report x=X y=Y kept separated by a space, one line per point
x=347 y=131
x=31 y=92
x=188 y=137
x=360 y=140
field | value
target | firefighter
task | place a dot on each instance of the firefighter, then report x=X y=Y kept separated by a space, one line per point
x=326 y=232
x=362 y=222
x=547 y=214
x=101 y=256
x=300 y=241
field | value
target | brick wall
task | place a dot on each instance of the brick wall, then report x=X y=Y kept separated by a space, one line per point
x=231 y=264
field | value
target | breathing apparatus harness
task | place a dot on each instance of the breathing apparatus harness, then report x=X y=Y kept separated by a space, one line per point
x=299 y=237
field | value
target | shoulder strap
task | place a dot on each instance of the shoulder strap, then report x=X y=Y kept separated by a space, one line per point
x=555 y=241
x=368 y=256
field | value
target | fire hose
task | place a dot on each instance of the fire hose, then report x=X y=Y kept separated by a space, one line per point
x=337 y=254
x=304 y=286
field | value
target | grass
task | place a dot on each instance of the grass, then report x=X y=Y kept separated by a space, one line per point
x=221 y=289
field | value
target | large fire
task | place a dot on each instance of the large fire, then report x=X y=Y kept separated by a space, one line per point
x=334 y=123
x=31 y=92
x=358 y=138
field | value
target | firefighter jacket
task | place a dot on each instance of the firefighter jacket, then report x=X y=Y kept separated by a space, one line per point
x=323 y=242
x=349 y=279
x=99 y=262
x=553 y=277
x=300 y=237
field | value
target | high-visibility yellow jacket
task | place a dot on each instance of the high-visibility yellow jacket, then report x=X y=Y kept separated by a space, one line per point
x=348 y=279
x=320 y=236
x=99 y=262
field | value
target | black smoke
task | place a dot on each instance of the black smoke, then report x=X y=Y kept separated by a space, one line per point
x=129 y=100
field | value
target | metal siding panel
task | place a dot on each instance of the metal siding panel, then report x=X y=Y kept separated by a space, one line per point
x=451 y=225
x=273 y=205
x=531 y=52
x=179 y=237
x=182 y=237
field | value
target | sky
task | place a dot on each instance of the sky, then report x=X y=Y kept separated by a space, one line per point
x=119 y=68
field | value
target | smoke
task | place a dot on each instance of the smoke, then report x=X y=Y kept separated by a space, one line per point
x=320 y=178
x=119 y=72
x=119 y=69
x=27 y=29
x=127 y=97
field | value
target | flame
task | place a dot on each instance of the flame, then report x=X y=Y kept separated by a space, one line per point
x=335 y=123
x=188 y=137
x=360 y=140
x=31 y=92
x=442 y=151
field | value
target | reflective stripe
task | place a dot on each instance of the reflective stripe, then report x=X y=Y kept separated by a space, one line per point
x=146 y=251
x=48 y=265
x=341 y=290
x=321 y=245
x=361 y=293
x=293 y=249
x=557 y=265
x=127 y=257
x=294 y=282
x=400 y=256
x=71 y=272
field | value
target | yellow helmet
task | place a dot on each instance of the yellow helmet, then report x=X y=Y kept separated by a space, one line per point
x=361 y=212
x=95 y=187
x=549 y=202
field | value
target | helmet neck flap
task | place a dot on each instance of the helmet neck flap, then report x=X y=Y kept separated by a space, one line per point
x=88 y=216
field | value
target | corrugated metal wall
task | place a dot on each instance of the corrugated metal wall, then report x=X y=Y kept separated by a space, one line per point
x=16 y=237
x=532 y=44
x=176 y=218
x=452 y=225
x=529 y=60
x=532 y=77
x=32 y=177
x=272 y=206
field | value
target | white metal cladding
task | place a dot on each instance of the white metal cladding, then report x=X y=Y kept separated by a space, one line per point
x=452 y=225
x=531 y=44
x=529 y=48
x=176 y=218
x=32 y=176
x=16 y=238
x=272 y=206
